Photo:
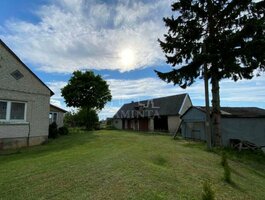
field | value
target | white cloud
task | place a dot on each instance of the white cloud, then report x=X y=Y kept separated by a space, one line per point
x=56 y=102
x=124 y=91
x=56 y=87
x=108 y=111
x=252 y=91
x=90 y=34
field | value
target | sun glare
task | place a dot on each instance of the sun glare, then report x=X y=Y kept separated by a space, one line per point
x=127 y=57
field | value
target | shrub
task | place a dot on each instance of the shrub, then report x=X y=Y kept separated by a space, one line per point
x=208 y=193
x=63 y=130
x=53 y=131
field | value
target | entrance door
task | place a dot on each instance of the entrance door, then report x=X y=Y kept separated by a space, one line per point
x=195 y=130
x=143 y=124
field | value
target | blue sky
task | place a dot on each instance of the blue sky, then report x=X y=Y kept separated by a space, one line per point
x=116 y=39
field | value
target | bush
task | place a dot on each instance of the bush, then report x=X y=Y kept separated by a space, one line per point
x=63 y=130
x=208 y=193
x=53 y=131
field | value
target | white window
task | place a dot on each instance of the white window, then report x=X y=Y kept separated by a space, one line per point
x=17 y=111
x=53 y=117
x=12 y=111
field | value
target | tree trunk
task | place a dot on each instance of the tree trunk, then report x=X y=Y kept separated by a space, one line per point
x=207 y=106
x=88 y=124
x=216 y=113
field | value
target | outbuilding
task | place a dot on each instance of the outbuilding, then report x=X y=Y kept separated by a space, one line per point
x=159 y=114
x=56 y=115
x=237 y=123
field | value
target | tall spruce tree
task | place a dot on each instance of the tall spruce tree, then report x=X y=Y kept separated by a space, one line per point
x=227 y=36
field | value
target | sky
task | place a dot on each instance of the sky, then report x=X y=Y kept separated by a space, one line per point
x=117 y=39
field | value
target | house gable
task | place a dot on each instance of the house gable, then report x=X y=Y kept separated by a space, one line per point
x=186 y=104
x=16 y=76
x=193 y=114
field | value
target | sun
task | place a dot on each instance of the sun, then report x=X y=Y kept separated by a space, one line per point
x=127 y=57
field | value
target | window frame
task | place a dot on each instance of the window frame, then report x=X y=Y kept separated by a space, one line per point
x=52 y=116
x=8 y=111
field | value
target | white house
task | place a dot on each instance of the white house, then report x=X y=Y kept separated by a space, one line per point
x=24 y=103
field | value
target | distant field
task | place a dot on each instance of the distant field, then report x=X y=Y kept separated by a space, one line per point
x=125 y=165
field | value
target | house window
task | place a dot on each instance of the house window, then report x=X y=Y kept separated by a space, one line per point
x=53 y=117
x=17 y=111
x=10 y=110
x=3 y=110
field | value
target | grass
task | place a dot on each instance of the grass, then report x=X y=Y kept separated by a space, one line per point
x=125 y=165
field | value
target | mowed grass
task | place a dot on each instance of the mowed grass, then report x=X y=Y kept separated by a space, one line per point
x=124 y=165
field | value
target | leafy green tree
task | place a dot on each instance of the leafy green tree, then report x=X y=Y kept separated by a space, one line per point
x=82 y=117
x=86 y=91
x=226 y=36
x=88 y=118
x=70 y=119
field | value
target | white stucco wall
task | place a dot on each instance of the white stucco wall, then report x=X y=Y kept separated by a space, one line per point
x=173 y=123
x=186 y=105
x=151 y=124
x=27 y=89
x=117 y=123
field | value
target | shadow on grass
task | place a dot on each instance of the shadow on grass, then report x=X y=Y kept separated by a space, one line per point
x=235 y=186
x=145 y=133
x=237 y=173
x=253 y=159
x=62 y=143
x=194 y=144
x=159 y=160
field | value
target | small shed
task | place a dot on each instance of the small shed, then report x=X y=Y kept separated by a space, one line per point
x=56 y=115
x=243 y=123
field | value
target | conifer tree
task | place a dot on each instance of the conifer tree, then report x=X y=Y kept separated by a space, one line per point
x=227 y=36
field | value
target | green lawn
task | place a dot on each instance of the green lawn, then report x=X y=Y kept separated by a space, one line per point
x=125 y=165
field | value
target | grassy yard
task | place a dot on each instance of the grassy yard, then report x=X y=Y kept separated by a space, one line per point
x=125 y=165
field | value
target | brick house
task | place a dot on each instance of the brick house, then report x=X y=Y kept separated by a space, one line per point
x=24 y=103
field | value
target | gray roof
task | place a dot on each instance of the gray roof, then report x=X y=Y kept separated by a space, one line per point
x=53 y=107
x=164 y=106
x=247 y=112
